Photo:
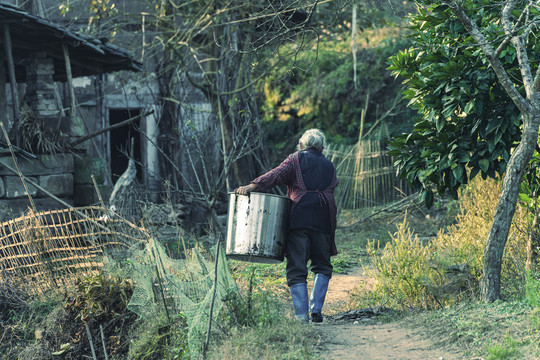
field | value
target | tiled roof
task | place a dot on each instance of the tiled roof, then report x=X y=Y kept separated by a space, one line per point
x=88 y=55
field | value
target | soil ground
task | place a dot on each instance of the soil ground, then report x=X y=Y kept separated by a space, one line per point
x=367 y=338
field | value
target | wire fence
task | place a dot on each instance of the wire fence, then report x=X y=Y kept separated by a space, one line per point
x=46 y=253
x=366 y=174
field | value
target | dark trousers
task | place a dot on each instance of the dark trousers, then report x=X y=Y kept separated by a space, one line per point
x=303 y=245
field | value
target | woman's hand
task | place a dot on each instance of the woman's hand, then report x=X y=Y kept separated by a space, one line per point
x=244 y=190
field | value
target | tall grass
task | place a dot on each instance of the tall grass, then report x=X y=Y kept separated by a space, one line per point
x=448 y=267
x=403 y=269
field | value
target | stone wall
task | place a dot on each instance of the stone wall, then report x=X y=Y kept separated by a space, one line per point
x=54 y=173
x=85 y=192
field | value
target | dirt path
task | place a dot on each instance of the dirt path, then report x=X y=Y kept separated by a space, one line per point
x=364 y=338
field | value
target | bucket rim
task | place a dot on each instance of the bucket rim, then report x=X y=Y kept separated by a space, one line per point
x=259 y=193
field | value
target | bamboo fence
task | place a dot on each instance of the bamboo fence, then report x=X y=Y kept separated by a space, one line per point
x=367 y=177
x=50 y=249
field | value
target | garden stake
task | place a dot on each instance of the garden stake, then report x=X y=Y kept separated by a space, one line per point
x=97 y=191
x=205 y=347
x=90 y=341
x=103 y=342
x=161 y=286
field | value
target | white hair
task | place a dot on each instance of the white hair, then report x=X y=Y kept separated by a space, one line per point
x=312 y=139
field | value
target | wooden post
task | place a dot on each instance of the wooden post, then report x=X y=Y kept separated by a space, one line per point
x=3 y=95
x=12 y=82
x=69 y=80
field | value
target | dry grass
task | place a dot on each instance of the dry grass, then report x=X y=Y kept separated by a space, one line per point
x=283 y=338
x=37 y=137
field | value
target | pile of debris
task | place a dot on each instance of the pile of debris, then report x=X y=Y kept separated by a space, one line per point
x=358 y=314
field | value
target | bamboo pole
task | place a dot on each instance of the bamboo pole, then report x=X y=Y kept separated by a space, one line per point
x=205 y=346
x=18 y=171
x=91 y=342
x=366 y=175
x=3 y=95
x=354 y=30
x=103 y=342
x=73 y=110
x=12 y=81
x=362 y=194
x=373 y=189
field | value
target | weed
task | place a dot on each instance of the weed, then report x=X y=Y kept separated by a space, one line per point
x=99 y=297
x=20 y=319
x=506 y=350
x=254 y=303
x=532 y=298
x=341 y=264
x=256 y=308
x=532 y=290
x=255 y=326
x=482 y=330
x=160 y=339
x=438 y=271
x=281 y=338
x=402 y=270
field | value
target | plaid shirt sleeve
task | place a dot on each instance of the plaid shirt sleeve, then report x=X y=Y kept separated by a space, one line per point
x=282 y=175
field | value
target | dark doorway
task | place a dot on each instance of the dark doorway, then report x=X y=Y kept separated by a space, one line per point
x=121 y=140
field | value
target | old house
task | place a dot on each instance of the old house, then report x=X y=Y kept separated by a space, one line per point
x=37 y=55
x=79 y=85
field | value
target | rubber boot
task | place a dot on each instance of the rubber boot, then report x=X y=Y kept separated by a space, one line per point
x=320 y=286
x=299 y=295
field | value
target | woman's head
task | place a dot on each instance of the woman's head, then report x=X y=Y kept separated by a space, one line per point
x=312 y=139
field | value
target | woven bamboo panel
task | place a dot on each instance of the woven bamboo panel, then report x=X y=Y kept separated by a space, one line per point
x=50 y=250
x=366 y=174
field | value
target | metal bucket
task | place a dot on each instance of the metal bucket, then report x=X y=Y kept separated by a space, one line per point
x=256 y=227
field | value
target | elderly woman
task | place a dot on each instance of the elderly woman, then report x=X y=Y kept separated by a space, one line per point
x=310 y=180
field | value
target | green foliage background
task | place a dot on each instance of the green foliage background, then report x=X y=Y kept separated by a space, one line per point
x=317 y=89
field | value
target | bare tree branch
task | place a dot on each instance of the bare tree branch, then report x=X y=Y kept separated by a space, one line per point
x=514 y=31
x=484 y=44
x=519 y=44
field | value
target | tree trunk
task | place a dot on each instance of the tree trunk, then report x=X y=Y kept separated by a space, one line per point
x=167 y=140
x=533 y=239
x=504 y=212
x=529 y=107
x=235 y=104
